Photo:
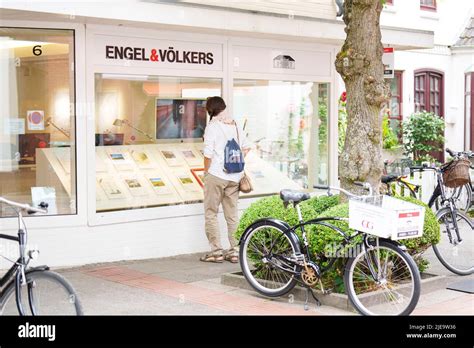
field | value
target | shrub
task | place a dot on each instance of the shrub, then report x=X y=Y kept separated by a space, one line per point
x=389 y=138
x=273 y=207
x=423 y=133
x=323 y=239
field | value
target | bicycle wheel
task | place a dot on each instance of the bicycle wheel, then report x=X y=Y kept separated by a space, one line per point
x=397 y=289
x=462 y=197
x=45 y=293
x=455 y=256
x=261 y=252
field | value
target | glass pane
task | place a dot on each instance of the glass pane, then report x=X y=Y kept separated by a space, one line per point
x=394 y=107
x=395 y=124
x=468 y=82
x=394 y=85
x=468 y=122
x=149 y=139
x=37 y=143
x=288 y=122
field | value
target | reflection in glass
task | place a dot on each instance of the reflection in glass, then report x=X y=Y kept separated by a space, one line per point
x=288 y=122
x=37 y=136
x=149 y=139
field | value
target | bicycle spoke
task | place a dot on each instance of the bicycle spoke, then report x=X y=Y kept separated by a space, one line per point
x=390 y=294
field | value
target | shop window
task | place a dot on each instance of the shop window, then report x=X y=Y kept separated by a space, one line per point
x=149 y=139
x=429 y=5
x=429 y=91
x=288 y=122
x=37 y=120
x=395 y=113
x=469 y=111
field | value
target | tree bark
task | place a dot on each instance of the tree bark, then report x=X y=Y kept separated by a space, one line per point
x=360 y=64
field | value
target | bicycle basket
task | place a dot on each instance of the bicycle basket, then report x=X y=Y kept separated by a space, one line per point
x=386 y=217
x=456 y=173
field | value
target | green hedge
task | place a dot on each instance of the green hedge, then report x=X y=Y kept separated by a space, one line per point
x=325 y=239
x=273 y=207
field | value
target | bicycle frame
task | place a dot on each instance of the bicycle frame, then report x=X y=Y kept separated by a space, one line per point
x=440 y=191
x=323 y=221
x=17 y=273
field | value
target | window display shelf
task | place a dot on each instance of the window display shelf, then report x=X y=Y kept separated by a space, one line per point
x=140 y=176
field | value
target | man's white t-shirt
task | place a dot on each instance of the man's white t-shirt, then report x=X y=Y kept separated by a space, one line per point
x=216 y=136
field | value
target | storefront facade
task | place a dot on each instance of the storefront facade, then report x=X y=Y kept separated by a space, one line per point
x=105 y=122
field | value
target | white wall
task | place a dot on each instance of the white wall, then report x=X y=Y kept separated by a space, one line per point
x=450 y=18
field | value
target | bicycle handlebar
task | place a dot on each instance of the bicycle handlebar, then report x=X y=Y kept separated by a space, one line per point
x=26 y=207
x=452 y=153
x=365 y=185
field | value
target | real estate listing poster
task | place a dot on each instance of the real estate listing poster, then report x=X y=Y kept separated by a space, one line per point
x=159 y=184
x=111 y=189
x=171 y=158
x=142 y=159
x=134 y=186
x=120 y=160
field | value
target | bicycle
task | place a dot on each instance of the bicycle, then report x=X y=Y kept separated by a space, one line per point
x=453 y=251
x=463 y=194
x=46 y=292
x=274 y=259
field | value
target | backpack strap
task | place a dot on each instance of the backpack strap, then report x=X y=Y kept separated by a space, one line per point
x=237 y=130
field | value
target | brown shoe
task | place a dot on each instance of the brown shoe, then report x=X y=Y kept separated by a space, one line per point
x=231 y=258
x=216 y=258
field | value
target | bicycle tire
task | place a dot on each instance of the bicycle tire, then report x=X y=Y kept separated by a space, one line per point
x=255 y=280
x=33 y=308
x=436 y=247
x=468 y=198
x=350 y=288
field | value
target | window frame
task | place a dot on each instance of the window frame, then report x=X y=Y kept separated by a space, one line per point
x=80 y=217
x=426 y=7
x=469 y=127
x=427 y=74
x=398 y=74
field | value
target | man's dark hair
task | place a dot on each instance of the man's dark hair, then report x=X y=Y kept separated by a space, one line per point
x=214 y=106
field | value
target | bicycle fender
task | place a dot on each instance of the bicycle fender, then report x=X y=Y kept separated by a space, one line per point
x=396 y=243
x=37 y=268
x=277 y=223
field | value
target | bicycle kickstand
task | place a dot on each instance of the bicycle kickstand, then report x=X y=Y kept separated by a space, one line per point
x=310 y=291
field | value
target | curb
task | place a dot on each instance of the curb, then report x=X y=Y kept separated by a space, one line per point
x=429 y=284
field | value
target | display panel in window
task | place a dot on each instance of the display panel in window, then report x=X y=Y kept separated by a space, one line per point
x=288 y=122
x=149 y=139
x=37 y=126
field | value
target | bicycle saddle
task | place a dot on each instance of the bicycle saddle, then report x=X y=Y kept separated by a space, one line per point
x=293 y=196
x=386 y=179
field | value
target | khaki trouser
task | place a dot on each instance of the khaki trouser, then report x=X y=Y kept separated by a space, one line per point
x=217 y=191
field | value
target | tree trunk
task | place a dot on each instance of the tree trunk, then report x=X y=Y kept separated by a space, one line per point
x=360 y=64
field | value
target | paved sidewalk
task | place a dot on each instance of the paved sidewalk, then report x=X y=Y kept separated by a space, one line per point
x=182 y=285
